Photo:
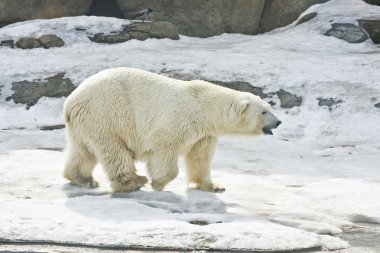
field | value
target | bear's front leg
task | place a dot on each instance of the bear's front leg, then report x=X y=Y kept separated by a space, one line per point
x=163 y=168
x=198 y=164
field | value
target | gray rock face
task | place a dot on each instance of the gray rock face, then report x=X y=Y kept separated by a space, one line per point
x=7 y=43
x=51 y=40
x=30 y=92
x=28 y=43
x=306 y=18
x=202 y=18
x=372 y=27
x=19 y=10
x=197 y=18
x=288 y=100
x=377 y=105
x=140 y=31
x=279 y=13
x=331 y=103
x=347 y=32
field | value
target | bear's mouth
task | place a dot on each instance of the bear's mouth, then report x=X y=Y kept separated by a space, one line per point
x=267 y=130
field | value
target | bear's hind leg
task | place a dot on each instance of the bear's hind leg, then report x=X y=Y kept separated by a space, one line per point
x=163 y=168
x=198 y=164
x=120 y=167
x=79 y=165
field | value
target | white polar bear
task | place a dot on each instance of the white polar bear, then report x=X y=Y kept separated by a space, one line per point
x=121 y=115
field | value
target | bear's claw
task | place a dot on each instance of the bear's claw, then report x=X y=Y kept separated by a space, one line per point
x=211 y=188
x=88 y=183
x=129 y=185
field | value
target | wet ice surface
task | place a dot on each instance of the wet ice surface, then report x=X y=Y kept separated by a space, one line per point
x=270 y=204
x=315 y=181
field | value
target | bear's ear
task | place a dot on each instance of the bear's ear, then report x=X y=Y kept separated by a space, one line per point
x=242 y=107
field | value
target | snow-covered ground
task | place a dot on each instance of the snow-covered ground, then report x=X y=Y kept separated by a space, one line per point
x=318 y=176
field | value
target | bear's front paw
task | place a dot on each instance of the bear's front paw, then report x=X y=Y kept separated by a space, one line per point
x=157 y=185
x=210 y=187
x=129 y=184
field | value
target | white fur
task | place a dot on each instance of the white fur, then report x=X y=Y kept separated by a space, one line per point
x=122 y=115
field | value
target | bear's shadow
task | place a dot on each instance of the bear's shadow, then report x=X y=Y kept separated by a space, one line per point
x=141 y=205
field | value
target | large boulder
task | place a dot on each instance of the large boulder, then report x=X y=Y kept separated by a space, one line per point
x=139 y=31
x=279 y=13
x=28 y=43
x=348 y=32
x=372 y=27
x=202 y=18
x=19 y=10
x=26 y=92
x=51 y=40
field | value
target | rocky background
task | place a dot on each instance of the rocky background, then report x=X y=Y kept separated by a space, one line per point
x=197 y=18
x=170 y=18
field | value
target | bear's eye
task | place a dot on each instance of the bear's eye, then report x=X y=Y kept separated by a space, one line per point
x=264 y=113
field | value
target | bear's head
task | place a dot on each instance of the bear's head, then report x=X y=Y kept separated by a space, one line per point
x=255 y=116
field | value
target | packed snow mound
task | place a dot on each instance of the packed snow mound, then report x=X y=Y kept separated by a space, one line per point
x=299 y=188
x=73 y=30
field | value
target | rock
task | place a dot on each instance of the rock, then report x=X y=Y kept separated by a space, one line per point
x=202 y=18
x=80 y=29
x=287 y=99
x=29 y=93
x=372 y=27
x=199 y=222
x=28 y=43
x=347 y=32
x=51 y=40
x=279 y=13
x=331 y=103
x=242 y=86
x=7 y=43
x=140 y=31
x=306 y=18
x=19 y=10
x=377 y=105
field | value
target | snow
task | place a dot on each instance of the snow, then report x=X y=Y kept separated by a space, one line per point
x=315 y=178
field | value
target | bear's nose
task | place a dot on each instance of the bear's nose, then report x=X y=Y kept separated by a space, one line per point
x=278 y=123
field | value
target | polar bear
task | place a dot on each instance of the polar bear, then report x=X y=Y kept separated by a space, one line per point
x=122 y=115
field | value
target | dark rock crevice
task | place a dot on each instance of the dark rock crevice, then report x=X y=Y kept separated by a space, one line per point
x=105 y=8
